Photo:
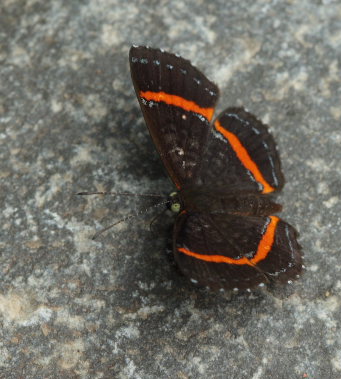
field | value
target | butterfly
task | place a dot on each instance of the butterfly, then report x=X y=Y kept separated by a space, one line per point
x=225 y=171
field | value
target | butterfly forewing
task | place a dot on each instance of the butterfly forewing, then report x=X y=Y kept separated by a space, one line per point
x=240 y=156
x=173 y=95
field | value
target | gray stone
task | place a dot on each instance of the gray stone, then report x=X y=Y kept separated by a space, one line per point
x=117 y=307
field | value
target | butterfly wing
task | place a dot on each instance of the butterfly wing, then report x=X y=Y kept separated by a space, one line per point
x=229 y=251
x=240 y=156
x=177 y=102
x=233 y=156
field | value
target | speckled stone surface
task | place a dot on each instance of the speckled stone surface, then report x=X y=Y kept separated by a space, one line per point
x=117 y=307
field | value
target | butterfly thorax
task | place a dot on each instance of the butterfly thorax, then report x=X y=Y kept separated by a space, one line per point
x=201 y=200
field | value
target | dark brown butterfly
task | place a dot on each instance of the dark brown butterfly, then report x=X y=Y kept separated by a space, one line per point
x=225 y=171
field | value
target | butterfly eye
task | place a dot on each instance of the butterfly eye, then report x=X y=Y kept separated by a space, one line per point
x=175 y=207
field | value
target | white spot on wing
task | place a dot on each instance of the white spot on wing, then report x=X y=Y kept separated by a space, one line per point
x=255 y=130
x=209 y=91
x=201 y=117
x=178 y=150
x=288 y=238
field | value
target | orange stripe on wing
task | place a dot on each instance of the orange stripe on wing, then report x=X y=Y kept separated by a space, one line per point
x=215 y=258
x=178 y=101
x=263 y=249
x=267 y=241
x=244 y=157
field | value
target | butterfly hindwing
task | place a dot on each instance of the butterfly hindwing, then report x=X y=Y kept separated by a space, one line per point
x=229 y=251
x=178 y=103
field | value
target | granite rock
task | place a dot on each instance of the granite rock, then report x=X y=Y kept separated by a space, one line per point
x=117 y=307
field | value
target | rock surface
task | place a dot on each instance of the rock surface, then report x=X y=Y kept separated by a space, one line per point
x=117 y=307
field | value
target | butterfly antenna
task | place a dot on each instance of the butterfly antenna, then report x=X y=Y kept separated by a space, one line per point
x=121 y=194
x=129 y=217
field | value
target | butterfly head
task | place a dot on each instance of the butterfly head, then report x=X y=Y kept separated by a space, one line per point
x=174 y=204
